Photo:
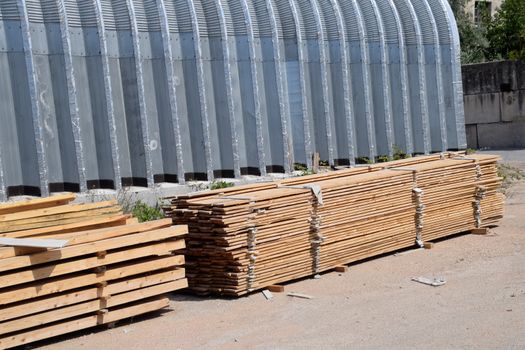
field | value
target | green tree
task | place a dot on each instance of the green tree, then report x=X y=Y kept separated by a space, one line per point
x=473 y=36
x=506 y=32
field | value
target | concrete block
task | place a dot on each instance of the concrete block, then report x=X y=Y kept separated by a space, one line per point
x=482 y=108
x=501 y=135
x=513 y=106
x=472 y=135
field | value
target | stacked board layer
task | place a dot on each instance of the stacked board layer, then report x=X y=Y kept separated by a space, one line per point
x=109 y=267
x=248 y=237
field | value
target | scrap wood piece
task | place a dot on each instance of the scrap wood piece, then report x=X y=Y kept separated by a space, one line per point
x=33 y=242
x=299 y=295
x=434 y=282
x=276 y=288
x=267 y=294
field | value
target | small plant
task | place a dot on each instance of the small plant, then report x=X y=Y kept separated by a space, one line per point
x=363 y=160
x=299 y=167
x=399 y=154
x=215 y=185
x=509 y=174
x=470 y=151
x=323 y=163
x=383 y=159
x=144 y=212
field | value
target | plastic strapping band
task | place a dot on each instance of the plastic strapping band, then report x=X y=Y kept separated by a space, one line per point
x=418 y=193
x=316 y=190
x=479 y=195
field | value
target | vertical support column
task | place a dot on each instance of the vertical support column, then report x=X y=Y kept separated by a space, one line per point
x=303 y=57
x=422 y=79
x=369 y=107
x=72 y=95
x=141 y=93
x=229 y=87
x=202 y=90
x=282 y=90
x=3 y=194
x=460 y=141
x=404 y=81
x=347 y=86
x=108 y=91
x=439 y=74
x=386 y=81
x=168 y=61
x=256 y=90
x=324 y=80
x=34 y=93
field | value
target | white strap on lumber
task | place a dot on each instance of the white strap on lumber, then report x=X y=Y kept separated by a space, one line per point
x=33 y=242
x=418 y=193
x=316 y=190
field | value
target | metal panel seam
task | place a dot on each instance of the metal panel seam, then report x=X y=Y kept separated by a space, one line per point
x=229 y=88
x=256 y=91
x=168 y=61
x=72 y=95
x=108 y=91
x=202 y=90
x=34 y=93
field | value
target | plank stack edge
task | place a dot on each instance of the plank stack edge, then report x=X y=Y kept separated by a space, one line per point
x=245 y=238
x=109 y=267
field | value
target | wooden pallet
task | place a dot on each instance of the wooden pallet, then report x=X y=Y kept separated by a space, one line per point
x=111 y=267
x=249 y=237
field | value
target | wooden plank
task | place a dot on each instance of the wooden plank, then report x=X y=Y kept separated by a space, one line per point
x=35 y=203
x=64 y=283
x=40 y=273
x=29 y=307
x=91 y=224
x=81 y=323
x=91 y=306
x=80 y=237
x=94 y=246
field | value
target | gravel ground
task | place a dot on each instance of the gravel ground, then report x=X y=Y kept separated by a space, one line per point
x=374 y=305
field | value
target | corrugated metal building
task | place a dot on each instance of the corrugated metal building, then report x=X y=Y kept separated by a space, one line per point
x=109 y=93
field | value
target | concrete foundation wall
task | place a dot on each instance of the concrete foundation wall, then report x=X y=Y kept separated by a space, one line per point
x=494 y=98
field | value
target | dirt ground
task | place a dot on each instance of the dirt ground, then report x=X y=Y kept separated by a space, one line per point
x=374 y=305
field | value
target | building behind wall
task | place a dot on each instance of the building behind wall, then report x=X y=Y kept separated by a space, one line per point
x=475 y=7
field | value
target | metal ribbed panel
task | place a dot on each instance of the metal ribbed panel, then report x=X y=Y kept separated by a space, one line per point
x=136 y=92
x=115 y=13
x=9 y=10
x=81 y=13
x=147 y=14
x=40 y=11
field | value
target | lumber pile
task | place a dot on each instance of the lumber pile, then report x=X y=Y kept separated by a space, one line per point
x=248 y=237
x=108 y=267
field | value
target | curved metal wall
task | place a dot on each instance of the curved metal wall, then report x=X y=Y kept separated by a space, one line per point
x=110 y=93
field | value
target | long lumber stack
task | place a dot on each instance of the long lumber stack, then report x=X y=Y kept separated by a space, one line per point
x=109 y=267
x=248 y=237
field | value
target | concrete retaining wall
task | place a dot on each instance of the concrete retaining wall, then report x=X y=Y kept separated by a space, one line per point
x=494 y=97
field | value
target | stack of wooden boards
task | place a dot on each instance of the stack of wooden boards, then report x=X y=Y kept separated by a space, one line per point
x=248 y=237
x=109 y=267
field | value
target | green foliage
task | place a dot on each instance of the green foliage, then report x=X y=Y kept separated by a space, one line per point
x=473 y=37
x=215 y=185
x=509 y=174
x=144 y=212
x=399 y=154
x=363 y=160
x=470 y=151
x=323 y=163
x=299 y=167
x=383 y=159
x=501 y=37
x=506 y=31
